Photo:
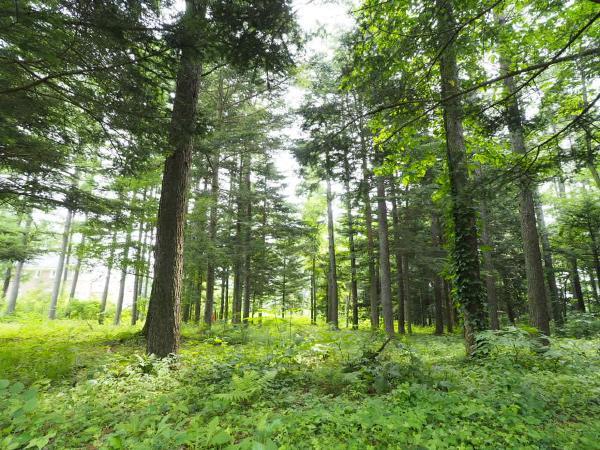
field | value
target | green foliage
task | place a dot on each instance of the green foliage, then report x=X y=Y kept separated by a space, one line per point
x=246 y=387
x=87 y=310
x=39 y=353
x=299 y=387
x=581 y=326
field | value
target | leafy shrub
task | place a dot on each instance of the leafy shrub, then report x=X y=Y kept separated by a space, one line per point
x=380 y=373
x=17 y=404
x=246 y=387
x=581 y=326
x=516 y=343
x=417 y=393
x=87 y=310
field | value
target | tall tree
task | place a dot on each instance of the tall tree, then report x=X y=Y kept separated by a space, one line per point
x=60 y=265
x=384 y=258
x=468 y=283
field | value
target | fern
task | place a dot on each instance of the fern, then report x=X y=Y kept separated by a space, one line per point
x=247 y=387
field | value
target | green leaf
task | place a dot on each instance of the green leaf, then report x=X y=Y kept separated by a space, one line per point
x=221 y=438
x=16 y=388
x=30 y=405
x=39 y=442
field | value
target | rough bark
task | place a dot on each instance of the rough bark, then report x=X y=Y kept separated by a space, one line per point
x=592 y=228
x=187 y=303
x=247 y=243
x=124 y=267
x=198 y=296
x=164 y=308
x=104 y=299
x=576 y=285
x=373 y=298
x=466 y=258
x=65 y=275
x=536 y=291
x=406 y=284
x=449 y=309
x=384 y=258
x=283 y=290
x=14 y=291
x=212 y=234
x=222 y=300
x=76 y=270
x=590 y=156
x=213 y=216
x=239 y=257
x=226 y=307
x=351 y=247
x=6 y=282
x=398 y=257
x=141 y=261
x=593 y=285
x=149 y=261
x=438 y=284
x=313 y=291
x=60 y=266
x=332 y=286
x=488 y=266
x=139 y=257
x=555 y=303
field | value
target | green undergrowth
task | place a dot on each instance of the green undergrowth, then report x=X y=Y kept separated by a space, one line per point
x=75 y=384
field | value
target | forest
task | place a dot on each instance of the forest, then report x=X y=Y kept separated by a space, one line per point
x=299 y=224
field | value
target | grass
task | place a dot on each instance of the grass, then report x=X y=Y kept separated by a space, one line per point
x=76 y=384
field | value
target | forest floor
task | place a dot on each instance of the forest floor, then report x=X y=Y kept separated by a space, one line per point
x=76 y=384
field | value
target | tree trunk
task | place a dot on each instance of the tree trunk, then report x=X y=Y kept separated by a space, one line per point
x=536 y=292
x=164 y=308
x=449 y=311
x=226 y=312
x=590 y=160
x=222 y=302
x=313 y=291
x=398 y=258
x=351 y=247
x=124 y=267
x=576 y=285
x=488 y=266
x=14 y=292
x=139 y=257
x=77 y=270
x=198 y=297
x=332 y=286
x=238 y=275
x=149 y=260
x=247 y=243
x=65 y=275
x=549 y=265
x=212 y=233
x=7 y=278
x=466 y=256
x=593 y=285
x=594 y=248
x=107 y=281
x=384 y=259
x=142 y=258
x=187 y=301
x=283 y=291
x=438 y=284
x=405 y=283
x=373 y=299
x=60 y=266
x=14 y=289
